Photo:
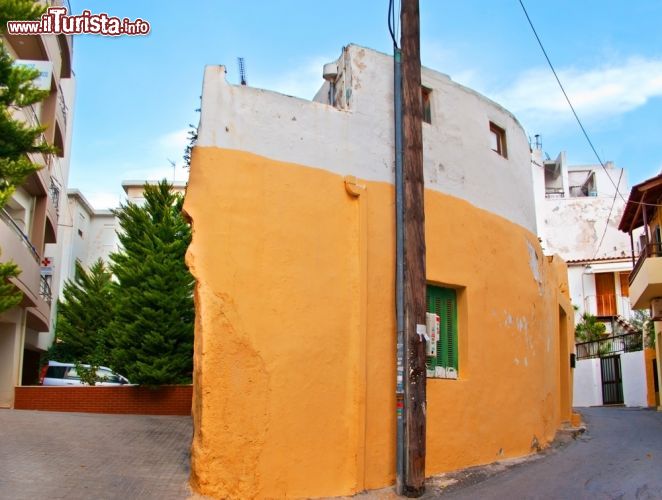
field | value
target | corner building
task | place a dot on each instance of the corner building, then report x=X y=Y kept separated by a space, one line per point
x=292 y=206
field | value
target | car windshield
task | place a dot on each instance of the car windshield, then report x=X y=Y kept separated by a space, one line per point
x=107 y=376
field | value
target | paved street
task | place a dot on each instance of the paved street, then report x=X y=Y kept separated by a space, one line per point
x=83 y=456
x=620 y=457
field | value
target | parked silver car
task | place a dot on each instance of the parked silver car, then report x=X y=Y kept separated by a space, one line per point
x=65 y=374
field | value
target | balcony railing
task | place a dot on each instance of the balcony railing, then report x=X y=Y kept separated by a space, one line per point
x=608 y=305
x=45 y=288
x=4 y=215
x=55 y=195
x=649 y=250
x=607 y=346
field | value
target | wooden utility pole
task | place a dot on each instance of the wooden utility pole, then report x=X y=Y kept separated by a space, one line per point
x=414 y=252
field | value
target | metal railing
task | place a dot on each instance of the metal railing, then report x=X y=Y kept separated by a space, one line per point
x=55 y=195
x=607 y=346
x=45 y=288
x=554 y=193
x=4 y=215
x=608 y=305
x=649 y=250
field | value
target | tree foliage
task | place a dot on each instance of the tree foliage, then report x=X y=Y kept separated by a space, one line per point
x=641 y=320
x=152 y=329
x=17 y=139
x=9 y=294
x=589 y=328
x=19 y=10
x=82 y=317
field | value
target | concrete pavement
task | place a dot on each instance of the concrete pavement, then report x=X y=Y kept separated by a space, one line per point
x=619 y=457
x=82 y=456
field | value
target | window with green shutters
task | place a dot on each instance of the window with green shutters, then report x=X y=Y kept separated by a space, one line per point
x=443 y=302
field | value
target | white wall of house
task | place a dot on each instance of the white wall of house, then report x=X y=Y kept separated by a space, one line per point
x=572 y=224
x=588 y=381
x=587 y=385
x=633 y=368
x=458 y=156
x=583 y=292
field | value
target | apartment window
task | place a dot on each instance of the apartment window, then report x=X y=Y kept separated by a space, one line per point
x=427 y=109
x=443 y=302
x=498 y=140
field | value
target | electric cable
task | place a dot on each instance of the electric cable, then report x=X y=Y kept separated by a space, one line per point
x=391 y=23
x=611 y=209
x=572 y=108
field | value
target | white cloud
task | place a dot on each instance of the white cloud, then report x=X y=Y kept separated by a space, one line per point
x=595 y=93
x=302 y=81
x=102 y=200
x=439 y=57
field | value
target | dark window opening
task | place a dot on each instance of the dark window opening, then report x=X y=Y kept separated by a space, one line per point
x=498 y=140
x=427 y=109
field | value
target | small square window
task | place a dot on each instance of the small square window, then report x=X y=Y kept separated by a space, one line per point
x=425 y=100
x=498 y=140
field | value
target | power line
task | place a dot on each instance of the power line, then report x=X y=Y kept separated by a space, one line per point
x=391 y=23
x=572 y=108
x=611 y=209
x=617 y=193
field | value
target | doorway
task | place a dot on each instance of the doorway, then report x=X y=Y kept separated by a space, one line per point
x=612 y=380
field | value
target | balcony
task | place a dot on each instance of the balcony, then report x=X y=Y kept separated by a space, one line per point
x=16 y=246
x=607 y=346
x=608 y=305
x=646 y=277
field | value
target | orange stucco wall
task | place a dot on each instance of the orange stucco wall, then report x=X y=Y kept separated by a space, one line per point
x=294 y=382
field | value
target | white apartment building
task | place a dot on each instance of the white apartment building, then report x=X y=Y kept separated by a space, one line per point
x=89 y=234
x=29 y=222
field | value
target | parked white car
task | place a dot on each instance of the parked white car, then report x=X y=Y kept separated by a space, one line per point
x=65 y=374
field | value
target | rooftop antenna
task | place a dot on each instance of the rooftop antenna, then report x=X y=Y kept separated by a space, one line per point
x=242 y=70
x=173 y=165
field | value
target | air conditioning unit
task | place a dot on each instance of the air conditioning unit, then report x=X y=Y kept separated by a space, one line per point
x=656 y=309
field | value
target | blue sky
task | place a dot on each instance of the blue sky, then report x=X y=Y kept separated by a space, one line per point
x=136 y=96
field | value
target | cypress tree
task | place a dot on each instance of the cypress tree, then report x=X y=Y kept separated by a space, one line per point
x=82 y=317
x=152 y=329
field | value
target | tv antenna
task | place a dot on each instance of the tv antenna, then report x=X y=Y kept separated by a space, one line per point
x=173 y=165
x=242 y=70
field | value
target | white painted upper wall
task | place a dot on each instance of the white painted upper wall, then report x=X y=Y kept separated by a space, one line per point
x=357 y=136
x=572 y=225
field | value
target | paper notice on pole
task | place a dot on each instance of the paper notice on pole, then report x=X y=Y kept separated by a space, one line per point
x=422 y=333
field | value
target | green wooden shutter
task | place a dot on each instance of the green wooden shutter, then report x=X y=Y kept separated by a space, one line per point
x=443 y=301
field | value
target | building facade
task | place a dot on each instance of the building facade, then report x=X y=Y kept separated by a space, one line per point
x=578 y=211
x=89 y=234
x=29 y=234
x=641 y=221
x=292 y=206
